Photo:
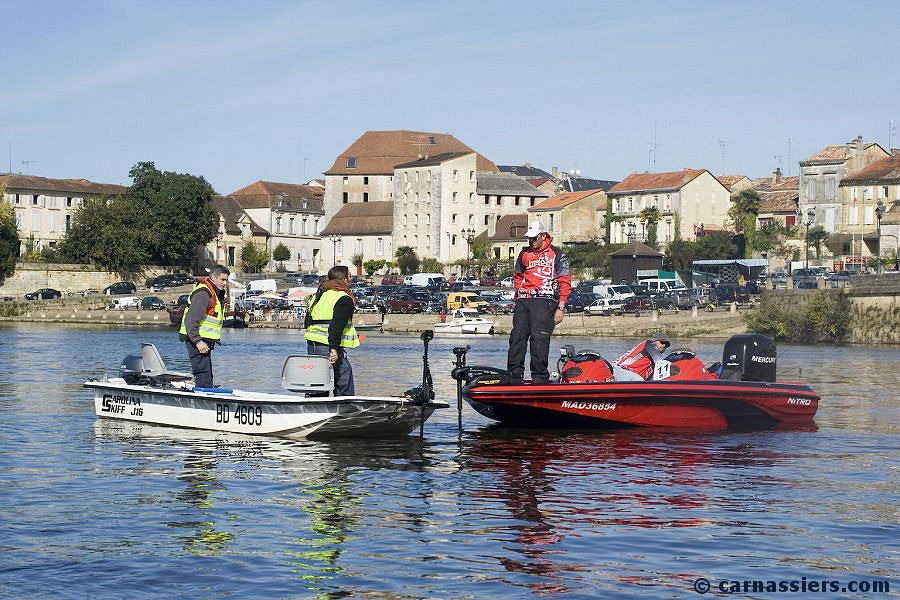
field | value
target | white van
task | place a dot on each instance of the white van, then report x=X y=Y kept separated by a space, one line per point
x=613 y=292
x=263 y=285
x=661 y=286
x=425 y=279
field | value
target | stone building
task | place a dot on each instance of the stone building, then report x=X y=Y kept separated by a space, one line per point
x=822 y=173
x=44 y=207
x=694 y=195
x=292 y=214
x=359 y=228
x=573 y=216
x=860 y=194
x=235 y=229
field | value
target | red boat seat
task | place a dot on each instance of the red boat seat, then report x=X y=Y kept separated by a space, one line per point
x=681 y=365
x=586 y=367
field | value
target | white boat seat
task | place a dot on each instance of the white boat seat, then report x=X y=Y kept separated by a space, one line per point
x=305 y=373
x=153 y=365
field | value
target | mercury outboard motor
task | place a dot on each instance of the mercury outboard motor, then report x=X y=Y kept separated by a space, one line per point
x=749 y=357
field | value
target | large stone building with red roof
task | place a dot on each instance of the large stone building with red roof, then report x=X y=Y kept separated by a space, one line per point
x=573 y=217
x=692 y=199
x=860 y=194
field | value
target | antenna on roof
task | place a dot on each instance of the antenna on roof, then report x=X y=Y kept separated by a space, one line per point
x=722 y=144
x=651 y=155
x=26 y=163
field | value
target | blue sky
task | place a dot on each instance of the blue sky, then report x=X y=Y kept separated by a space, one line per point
x=239 y=91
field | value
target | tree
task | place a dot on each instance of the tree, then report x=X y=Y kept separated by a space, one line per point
x=817 y=236
x=107 y=232
x=743 y=213
x=677 y=224
x=281 y=253
x=680 y=255
x=431 y=265
x=371 y=266
x=650 y=217
x=9 y=236
x=175 y=212
x=407 y=261
x=716 y=245
x=357 y=260
x=253 y=258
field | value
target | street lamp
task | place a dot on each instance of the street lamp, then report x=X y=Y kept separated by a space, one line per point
x=469 y=234
x=879 y=212
x=631 y=227
x=335 y=238
x=810 y=219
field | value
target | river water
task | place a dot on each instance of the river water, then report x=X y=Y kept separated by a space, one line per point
x=104 y=509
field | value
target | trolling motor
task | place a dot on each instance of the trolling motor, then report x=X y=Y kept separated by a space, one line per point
x=460 y=353
x=424 y=393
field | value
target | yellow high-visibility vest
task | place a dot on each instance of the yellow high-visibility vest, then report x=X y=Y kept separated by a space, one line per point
x=210 y=324
x=322 y=312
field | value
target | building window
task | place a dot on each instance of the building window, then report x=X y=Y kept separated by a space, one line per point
x=417 y=177
x=278 y=225
x=52 y=221
x=346 y=197
x=472 y=197
x=471 y=219
x=351 y=162
x=303 y=227
x=359 y=246
x=829 y=188
x=453 y=219
x=869 y=215
x=428 y=219
x=428 y=195
x=532 y=201
x=316 y=232
x=884 y=192
x=630 y=205
x=472 y=176
x=499 y=200
x=517 y=200
x=487 y=219
x=811 y=189
x=340 y=247
x=379 y=246
x=454 y=196
x=853 y=218
x=68 y=221
x=366 y=180
x=453 y=240
x=17 y=198
x=552 y=222
x=34 y=199
x=346 y=180
x=365 y=196
x=35 y=221
x=416 y=221
x=291 y=225
x=487 y=199
x=429 y=175
x=404 y=220
x=455 y=175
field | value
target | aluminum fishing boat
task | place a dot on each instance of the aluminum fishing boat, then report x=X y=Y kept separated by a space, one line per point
x=741 y=394
x=147 y=391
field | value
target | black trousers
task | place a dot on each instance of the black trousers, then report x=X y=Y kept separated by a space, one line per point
x=201 y=365
x=532 y=321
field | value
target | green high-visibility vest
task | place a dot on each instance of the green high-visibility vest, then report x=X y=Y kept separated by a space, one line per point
x=210 y=324
x=321 y=314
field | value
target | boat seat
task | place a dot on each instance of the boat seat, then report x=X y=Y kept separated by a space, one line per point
x=153 y=365
x=307 y=373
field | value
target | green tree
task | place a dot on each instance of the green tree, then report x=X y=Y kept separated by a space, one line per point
x=677 y=223
x=743 y=213
x=680 y=255
x=817 y=236
x=175 y=212
x=407 y=261
x=716 y=245
x=370 y=266
x=253 y=258
x=650 y=218
x=107 y=232
x=281 y=253
x=430 y=264
x=9 y=236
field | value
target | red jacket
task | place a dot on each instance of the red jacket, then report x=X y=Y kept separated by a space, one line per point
x=637 y=360
x=543 y=273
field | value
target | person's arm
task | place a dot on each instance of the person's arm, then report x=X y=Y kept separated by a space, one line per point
x=343 y=312
x=195 y=313
x=563 y=278
x=518 y=273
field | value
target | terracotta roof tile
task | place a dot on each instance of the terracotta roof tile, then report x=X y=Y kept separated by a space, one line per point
x=232 y=213
x=362 y=218
x=377 y=152
x=639 y=182
x=886 y=170
x=262 y=194
x=562 y=200
x=509 y=228
x=834 y=153
x=62 y=186
x=730 y=180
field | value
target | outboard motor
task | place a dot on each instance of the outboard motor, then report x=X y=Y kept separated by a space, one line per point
x=131 y=368
x=749 y=357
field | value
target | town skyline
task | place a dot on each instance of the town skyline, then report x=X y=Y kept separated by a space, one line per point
x=609 y=90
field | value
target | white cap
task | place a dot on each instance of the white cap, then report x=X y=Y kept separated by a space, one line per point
x=535 y=228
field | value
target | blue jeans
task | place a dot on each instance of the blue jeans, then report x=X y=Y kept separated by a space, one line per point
x=343 y=372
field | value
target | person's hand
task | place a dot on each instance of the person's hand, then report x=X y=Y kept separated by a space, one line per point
x=202 y=347
x=558 y=317
x=332 y=356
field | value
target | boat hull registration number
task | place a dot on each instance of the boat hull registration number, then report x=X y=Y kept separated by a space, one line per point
x=240 y=414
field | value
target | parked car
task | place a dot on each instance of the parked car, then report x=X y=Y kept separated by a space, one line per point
x=586 y=287
x=507 y=282
x=43 y=294
x=664 y=300
x=153 y=303
x=701 y=295
x=576 y=303
x=403 y=303
x=90 y=292
x=466 y=300
x=684 y=299
x=640 y=301
x=489 y=281
x=806 y=285
x=120 y=287
x=727 y=293
x=125 y=303
x=605 y=307
x=392 y=279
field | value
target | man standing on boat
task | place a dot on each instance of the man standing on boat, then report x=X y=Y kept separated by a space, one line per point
x=542 y=282
x=329 y=326
x=201 y=324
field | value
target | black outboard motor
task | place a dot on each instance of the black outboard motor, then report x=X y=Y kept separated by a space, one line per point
x=749 y=357
x=131 y=368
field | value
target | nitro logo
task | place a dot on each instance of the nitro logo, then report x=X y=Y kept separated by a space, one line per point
x=799 y=401
x=763 y=359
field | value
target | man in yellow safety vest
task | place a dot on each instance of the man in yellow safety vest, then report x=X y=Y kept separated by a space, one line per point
x=329 y=326
x=201 y=324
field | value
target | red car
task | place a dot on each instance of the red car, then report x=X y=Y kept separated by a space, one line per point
x=392 y=279
x=405 y=304
x=488 y=281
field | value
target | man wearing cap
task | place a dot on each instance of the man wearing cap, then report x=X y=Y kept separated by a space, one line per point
x=542 y=282
x=637 y=364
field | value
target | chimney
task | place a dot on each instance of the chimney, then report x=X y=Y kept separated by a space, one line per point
x=776 y=176
x=555 y=172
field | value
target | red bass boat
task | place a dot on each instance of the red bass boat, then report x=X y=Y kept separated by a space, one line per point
x=740 y=393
